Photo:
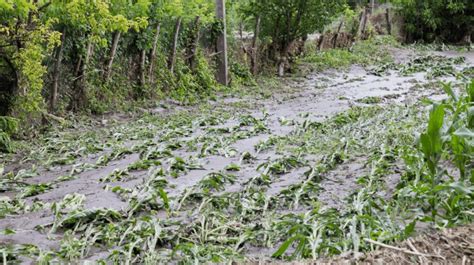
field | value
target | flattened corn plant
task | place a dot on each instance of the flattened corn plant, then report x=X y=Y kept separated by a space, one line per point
x=208 y=222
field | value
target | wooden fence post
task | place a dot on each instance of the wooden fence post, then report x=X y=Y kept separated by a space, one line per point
x=174 y=47
x=254 y=58
x=222 y=60
x=389 y=23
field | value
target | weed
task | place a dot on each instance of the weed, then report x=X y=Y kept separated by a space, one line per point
x=281 y=165
x=178 y=165
x=370 y=100
x=116 y=175
x=232 y=167
x=341 y=58
x=216 y=181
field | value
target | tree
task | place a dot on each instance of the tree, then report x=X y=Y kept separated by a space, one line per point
x=285 y=21
x=187 y=11
x=25 y=41
x=63 y=51
x=88 y=22
x=446 y=20
x=126 y=15
x=88 y=25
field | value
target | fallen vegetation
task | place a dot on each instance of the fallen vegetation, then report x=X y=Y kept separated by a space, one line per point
x=236 y=209
x=363 y=154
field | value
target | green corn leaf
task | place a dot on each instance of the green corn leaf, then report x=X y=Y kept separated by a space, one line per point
x=164 y=197
x=409 y=229
x=284 y=247
x=470 y=91
x=436 y=120
x=464 y=133
x=426 y=144
x=449 y=90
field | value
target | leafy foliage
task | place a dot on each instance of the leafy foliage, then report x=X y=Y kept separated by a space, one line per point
x=8 y=126
x=57 y=51
x=212 y=182
x=428 y=20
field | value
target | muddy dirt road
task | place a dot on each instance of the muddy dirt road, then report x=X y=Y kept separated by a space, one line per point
x=223 y=151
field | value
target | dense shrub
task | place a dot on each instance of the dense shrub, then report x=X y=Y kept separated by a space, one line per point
x=437 y=20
